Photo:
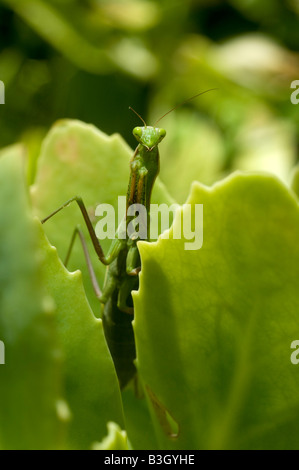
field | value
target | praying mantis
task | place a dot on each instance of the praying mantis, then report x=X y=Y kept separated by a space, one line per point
x=123 y=260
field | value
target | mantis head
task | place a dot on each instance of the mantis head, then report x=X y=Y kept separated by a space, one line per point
x=149 y=136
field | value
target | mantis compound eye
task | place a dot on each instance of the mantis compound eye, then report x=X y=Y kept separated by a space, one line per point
x=137 y=132
x=162 y=133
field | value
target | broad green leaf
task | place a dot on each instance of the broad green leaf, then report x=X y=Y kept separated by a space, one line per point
x=31 y=393
x=91 y=385
x=214 y=326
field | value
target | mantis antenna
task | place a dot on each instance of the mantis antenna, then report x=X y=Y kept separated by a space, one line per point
x=181 y=104
x=138 y=115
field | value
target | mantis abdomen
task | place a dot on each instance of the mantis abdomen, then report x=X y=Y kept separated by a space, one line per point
x=119 y=335
x=117 y=324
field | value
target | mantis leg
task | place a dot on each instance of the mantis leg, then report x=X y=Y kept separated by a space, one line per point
x=141 y=187
x=96 y=244
x=133 y=261
x=91 y=272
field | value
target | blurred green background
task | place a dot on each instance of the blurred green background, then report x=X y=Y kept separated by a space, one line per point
x=92 y=59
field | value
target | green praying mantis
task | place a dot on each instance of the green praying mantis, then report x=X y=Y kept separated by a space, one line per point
x=123 y=259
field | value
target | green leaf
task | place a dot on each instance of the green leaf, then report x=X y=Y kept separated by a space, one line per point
x=58 y=368
x=91 y=384
x=31 y=393
x=214 y=326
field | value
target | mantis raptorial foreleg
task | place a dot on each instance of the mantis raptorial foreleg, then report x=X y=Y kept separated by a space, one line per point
x=96 y=244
